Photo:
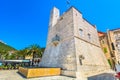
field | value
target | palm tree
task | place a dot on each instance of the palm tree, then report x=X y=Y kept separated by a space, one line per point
x=22 y=53
x=35 y=50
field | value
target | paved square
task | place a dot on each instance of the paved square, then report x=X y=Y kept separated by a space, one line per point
x=14 y=75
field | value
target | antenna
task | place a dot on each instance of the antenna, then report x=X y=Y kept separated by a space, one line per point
x=68 y=3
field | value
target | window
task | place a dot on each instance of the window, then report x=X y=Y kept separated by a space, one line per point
x=103 y=41
x=89 y=36
x=81 y=32
x=113 y=48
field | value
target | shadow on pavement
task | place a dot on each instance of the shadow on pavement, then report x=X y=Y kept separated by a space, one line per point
x=21 y=75
x=104 y=76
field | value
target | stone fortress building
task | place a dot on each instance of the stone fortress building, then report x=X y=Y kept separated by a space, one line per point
x=73 y=45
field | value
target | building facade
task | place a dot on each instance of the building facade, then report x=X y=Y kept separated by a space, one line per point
x=114 y=42
x=103 y=38
x=73 y=45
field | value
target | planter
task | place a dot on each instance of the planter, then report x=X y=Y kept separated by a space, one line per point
x=38 y=72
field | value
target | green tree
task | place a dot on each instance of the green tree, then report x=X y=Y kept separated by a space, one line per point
x=5 y=51
x=105 y=50
x=3 y=54
x=22 y=53
x=35 y=50
x=13 y=56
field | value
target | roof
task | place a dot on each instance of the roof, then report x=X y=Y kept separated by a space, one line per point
x=115 y=29
x=101 y=33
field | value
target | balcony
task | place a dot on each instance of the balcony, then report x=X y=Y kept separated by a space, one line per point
x=56 y=40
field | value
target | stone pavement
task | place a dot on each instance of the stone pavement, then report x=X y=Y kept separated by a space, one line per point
x=14 y=75
x=104 y=76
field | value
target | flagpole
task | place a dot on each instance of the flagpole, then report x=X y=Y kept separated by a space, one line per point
x=68 y=4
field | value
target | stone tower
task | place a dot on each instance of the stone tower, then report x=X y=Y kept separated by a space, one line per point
x=73 y=45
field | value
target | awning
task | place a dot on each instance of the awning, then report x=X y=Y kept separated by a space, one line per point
x=20 y=61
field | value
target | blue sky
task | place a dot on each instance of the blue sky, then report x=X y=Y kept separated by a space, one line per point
x=25 y=22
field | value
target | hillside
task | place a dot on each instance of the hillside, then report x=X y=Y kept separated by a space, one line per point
x=6 y=47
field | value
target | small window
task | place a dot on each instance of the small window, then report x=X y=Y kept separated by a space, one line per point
x=81 y=32
x=113 y=48
x=89 y=36
x=103 y=42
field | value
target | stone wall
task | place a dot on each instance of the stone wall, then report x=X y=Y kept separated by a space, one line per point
x=87 y=46
x=94 y=60
x=87 y=27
